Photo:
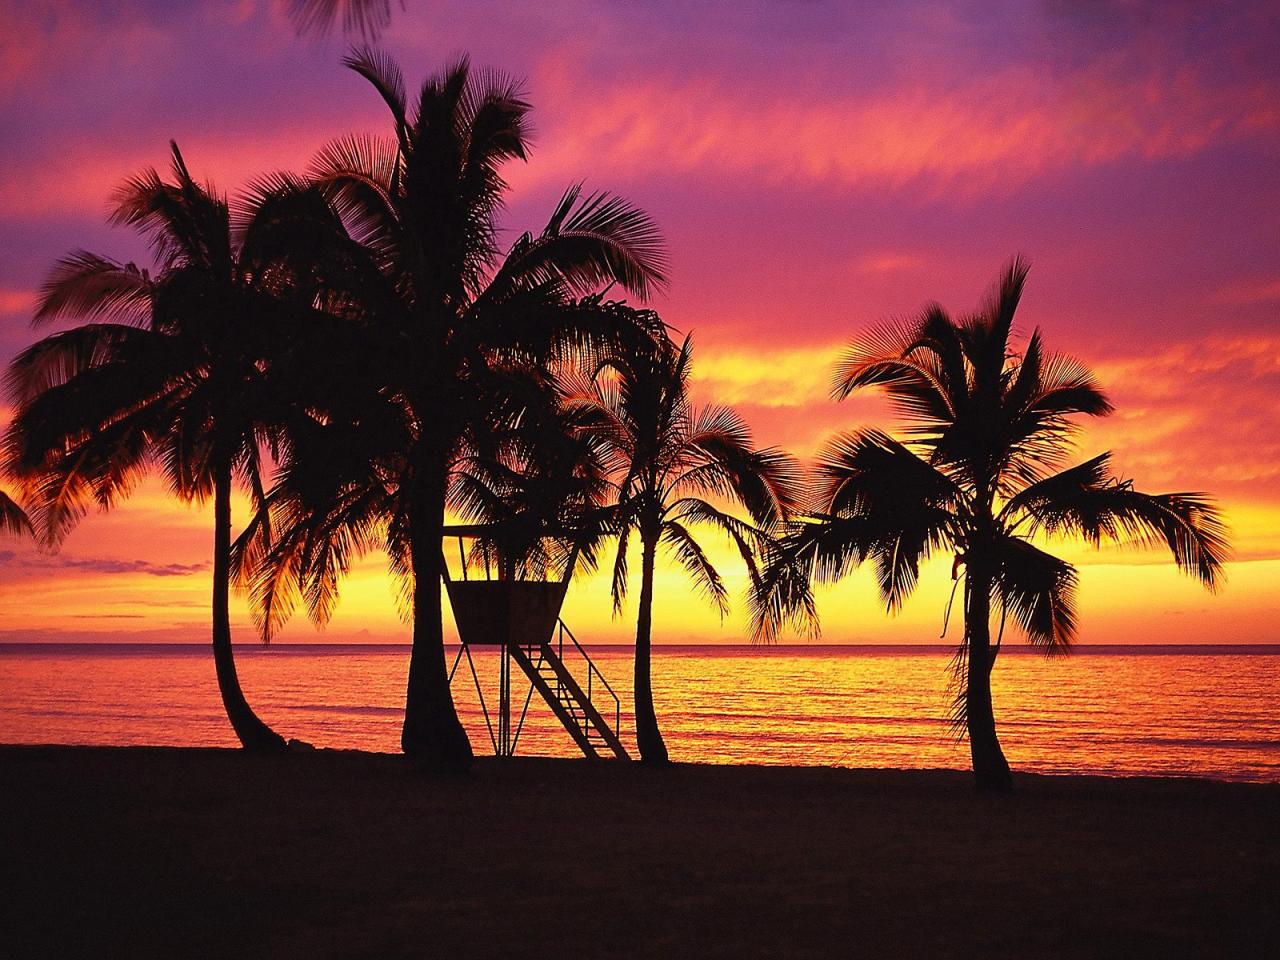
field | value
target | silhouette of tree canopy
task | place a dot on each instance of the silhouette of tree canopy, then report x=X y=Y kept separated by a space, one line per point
x=981 y=474
x=538 y=483
x=173 y=370
x=436 y=324
x=667 y=461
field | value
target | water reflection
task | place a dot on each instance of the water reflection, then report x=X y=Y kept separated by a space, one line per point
x=1115 y=713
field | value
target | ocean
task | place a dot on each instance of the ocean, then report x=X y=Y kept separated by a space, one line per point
x=1115 y=710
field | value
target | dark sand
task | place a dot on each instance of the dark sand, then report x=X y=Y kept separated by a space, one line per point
x=174 y=853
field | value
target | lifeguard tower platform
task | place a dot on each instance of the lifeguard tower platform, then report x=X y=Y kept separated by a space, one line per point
x=520 y=618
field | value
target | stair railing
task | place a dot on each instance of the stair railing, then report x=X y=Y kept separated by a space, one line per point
x=594 y=676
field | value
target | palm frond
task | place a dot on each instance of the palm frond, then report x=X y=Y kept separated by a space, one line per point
x=996 y=315
x=782 y=594
x=84 y=284
x=494 y=121
x=691 y=556
x=868 y=472
x=274 y=576
x=384 y=74
x=1068 y=387
x=766 y=481
x=618 y=581
x=1039 y=590
x=13 y=519
x=185 y=222
x=294 y=244
x=749 y=540
x=1063 y=486
x=1086 y=501
x=357 y=173
x=317 y=17
x=99 y=468
x=61 y=357
x=917 y=362
x=588 y=244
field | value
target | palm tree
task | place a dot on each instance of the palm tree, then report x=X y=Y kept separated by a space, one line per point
x=170 y=370
x=665 y=458
x=980 y=476
x=436 y=325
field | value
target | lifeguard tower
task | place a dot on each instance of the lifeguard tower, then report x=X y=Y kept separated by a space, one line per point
x=521 y=618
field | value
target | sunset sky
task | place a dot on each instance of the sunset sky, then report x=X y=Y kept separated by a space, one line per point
x=815 y=167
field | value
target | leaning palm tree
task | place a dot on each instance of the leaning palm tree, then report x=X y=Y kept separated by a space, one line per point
x=667 y=461
x=170 y=370
x=981 y=474
x=434 y=325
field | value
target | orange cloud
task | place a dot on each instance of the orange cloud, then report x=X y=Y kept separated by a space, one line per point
x=1196 y=415
x=784 y=377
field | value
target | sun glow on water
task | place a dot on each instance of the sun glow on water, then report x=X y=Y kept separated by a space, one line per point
x=1122 y=711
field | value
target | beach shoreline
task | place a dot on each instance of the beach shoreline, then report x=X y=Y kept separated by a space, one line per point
x=205 y=852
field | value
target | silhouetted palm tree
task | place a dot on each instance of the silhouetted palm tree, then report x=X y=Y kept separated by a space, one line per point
x=13 y=519
x=171 y=370
x=436 y=324
x=980 y=475
x=665 y=459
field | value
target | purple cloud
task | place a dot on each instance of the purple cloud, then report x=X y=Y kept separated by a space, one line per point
x=107 y=565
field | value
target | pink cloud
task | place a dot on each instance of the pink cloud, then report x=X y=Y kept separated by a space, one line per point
x=16 y=301
x=1248 y=292
x=888 y=261
x=81 y=179
x=39 y=39
x=967 y=134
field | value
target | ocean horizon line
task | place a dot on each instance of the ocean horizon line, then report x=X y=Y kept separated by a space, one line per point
x=702 y=647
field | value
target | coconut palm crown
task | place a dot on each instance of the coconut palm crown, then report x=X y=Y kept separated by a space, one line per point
x=981 y=473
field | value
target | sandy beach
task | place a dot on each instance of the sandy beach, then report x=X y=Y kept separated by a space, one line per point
x=145 y=852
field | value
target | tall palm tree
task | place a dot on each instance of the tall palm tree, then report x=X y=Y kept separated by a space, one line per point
x=435 y=325
x=981 y=474
x=170 y=370
x=666 y=458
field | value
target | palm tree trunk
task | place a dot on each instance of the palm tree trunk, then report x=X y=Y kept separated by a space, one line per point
x=432 y=733
x=648 y=737
x=253 y=733
x=990 y=769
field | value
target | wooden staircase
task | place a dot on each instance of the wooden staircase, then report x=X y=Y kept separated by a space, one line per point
x=544 y=665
